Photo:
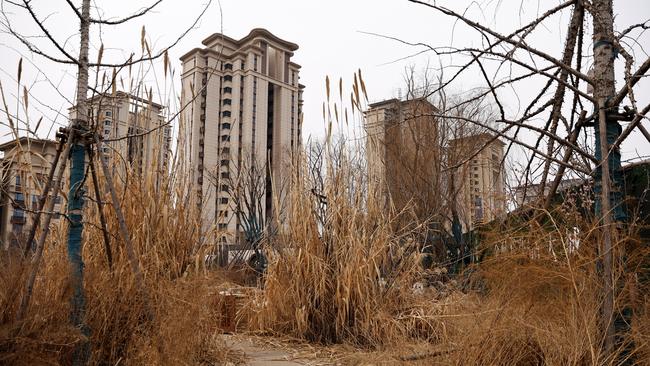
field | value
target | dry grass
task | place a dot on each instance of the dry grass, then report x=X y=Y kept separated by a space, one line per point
x=176 y=324
x=345 y=276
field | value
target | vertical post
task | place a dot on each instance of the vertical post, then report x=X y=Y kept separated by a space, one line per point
x=75 y=198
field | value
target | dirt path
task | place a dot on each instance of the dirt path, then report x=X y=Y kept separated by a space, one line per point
x=258 y=354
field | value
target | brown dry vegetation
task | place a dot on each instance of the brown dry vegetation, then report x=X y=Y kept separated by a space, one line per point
x=175 y=325
x=348 y=278
x=344 y=275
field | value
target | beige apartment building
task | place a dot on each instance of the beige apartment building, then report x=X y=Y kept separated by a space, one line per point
x=137 y=127
x=404 y=154
x=243 y=107
x=479 y=181
x=409 y=156
x=25 y=166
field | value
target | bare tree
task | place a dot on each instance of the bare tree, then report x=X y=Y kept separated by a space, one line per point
x=559 y=146
x=81 y=134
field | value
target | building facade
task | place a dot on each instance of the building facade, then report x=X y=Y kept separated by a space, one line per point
x=414 y=161
x=404 y=154
x=25 y=166
x=242 y=108
x=134 y=130
x=479 y=180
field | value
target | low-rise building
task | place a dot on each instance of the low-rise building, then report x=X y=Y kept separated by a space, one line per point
x=25 y=167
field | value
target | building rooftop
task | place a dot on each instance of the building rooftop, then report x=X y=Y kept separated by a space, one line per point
x=253 y=33
x=392 y=101
x=479 y=136
x=121 y=95
x=237 y=44
x=24 y=141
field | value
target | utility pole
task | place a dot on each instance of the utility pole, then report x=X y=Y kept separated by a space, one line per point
x=75 y=197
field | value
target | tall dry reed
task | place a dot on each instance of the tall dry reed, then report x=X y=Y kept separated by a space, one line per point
x=172 y=322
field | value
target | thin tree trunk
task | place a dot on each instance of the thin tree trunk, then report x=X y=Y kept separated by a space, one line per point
x=604 y=88
x=29 y=285
x=75 y=198
x=130 y=252
x=100 y=210
x=43 y=198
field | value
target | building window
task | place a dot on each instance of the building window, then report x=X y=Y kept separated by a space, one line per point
x=255 y=62
x=241 y=66
x=18 y=212
x=107 y=122
x=224 y=188
x=223 y=200
x=224 y=162
x=225 y=126
x=20 y=197
x=227 y=78
x=225 y=175
x=227 y=89
x=227 y=102
x=223 y=213
x=223 y=226
x=108 y=113
x=17 y=180
x=226 y=113
x=225 y=138
x=227 y=66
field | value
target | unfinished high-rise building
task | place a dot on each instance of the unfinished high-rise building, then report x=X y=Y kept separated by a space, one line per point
x=242 y=105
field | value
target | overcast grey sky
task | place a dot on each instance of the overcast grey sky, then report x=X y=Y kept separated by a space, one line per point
x=330 y=35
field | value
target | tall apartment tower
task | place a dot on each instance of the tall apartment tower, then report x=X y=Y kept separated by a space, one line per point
x=409 y=153
x=480 y=180
x=243 y=107
x=134 y=129
x=403 y=153
x=24 y=169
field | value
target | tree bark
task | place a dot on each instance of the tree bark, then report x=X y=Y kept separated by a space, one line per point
x=604 y=89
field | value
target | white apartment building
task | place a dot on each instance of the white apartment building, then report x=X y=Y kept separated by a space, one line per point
x=242 y=104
